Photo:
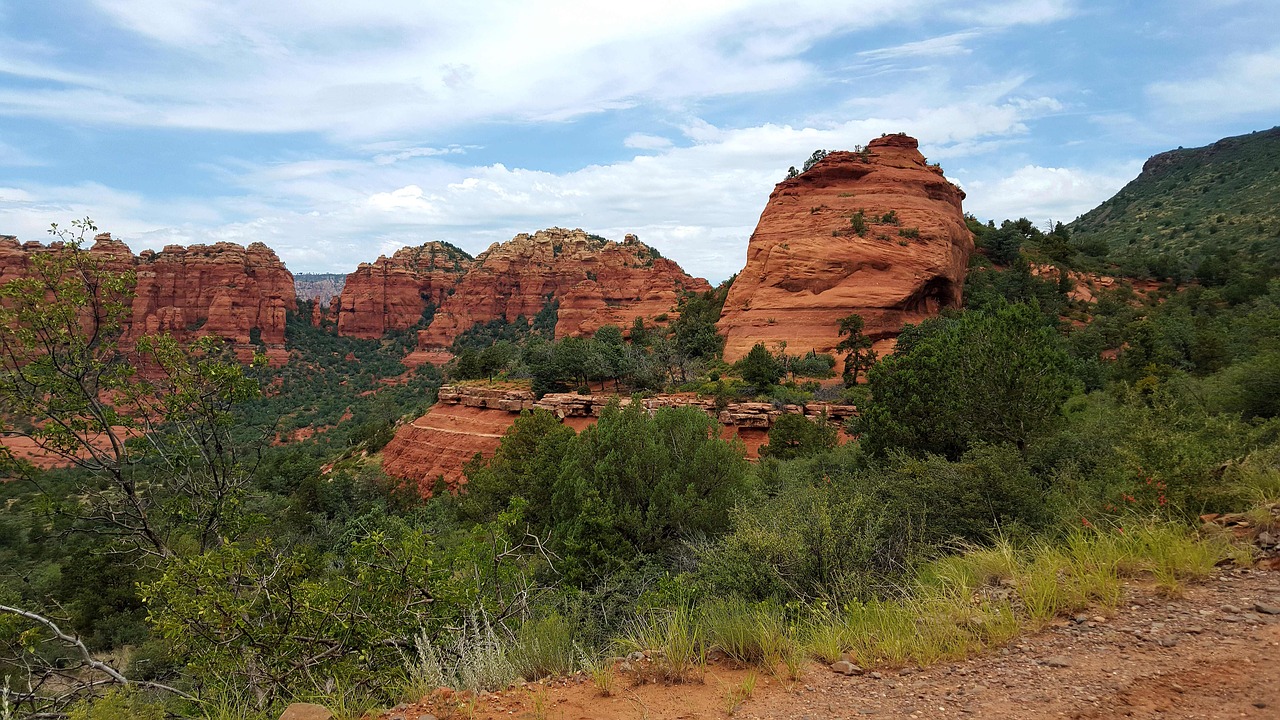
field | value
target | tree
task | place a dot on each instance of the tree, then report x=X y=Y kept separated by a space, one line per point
x=814 y=159
x=261 y=621
x=859 y=356
x=760 y=367
x=634 y=486
x=794 y=435
x=148 y=424
x=145 y=423
x=995 y=377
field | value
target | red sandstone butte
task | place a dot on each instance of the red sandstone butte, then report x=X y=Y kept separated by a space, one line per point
x=392 y=293
x=596 y=281
x=224 y=290
x=807 y=267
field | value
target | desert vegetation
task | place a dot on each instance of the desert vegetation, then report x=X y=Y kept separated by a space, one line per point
x=1033 y=451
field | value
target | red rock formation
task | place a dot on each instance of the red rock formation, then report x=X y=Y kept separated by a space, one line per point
x=597 y=282
x=225 y=290
x=807 y=267
x=439 y=443
x=470 y=419
x=391 y=293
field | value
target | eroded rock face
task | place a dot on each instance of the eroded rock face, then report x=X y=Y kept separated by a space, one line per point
x=392 y=293
x=226 y=290
x=469 y=419
x=596 y=282
x=808 y=266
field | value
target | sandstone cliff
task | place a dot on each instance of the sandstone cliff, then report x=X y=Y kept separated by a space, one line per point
x=469 y=419
x=392 y=293
x=238 y=293
x=595 y=281
x=880 y=233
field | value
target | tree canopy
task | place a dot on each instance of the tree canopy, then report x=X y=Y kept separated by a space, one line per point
x=998 y=376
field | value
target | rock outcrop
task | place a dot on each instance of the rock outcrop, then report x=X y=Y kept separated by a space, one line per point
x=469 y=419
x=226 y=290
x=595 y=282
x=238 y=293
x=392 y=293
x=879 y=232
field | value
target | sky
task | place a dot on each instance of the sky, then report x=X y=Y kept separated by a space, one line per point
x=336 y=131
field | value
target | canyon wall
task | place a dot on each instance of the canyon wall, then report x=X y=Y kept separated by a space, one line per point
x=226 y=290
x=879 y=232
x=392 y=293
x=595 y=281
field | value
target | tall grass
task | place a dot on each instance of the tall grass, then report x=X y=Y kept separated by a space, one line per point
x=675 y=640
x=544 y=647
x=473 y=657
x=957 y=605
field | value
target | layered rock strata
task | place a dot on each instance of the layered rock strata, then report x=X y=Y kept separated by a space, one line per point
x=593 y=281
x=392 y=293
x=225 y=290
x=468 y=419
x=879 y=232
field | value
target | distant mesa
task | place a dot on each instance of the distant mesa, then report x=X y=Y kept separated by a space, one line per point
x=879 y=232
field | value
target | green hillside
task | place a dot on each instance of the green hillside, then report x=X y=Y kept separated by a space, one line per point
x=1209 y=213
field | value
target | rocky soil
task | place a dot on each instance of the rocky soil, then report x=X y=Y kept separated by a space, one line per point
x=1213 y=653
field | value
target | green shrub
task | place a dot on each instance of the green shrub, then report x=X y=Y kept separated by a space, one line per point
x=794 y=435
x=118 y=704
x=544 y=647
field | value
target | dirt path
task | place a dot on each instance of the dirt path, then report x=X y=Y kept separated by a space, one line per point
x=1209 y=654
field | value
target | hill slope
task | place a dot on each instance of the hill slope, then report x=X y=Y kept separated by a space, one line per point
x=1202 y=212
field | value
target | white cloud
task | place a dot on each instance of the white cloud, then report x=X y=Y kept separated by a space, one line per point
x=355 y=70
x=11 y=156
x=1242 y=84
x=1042 y=193
x=697 y=202
x=414 y=152
x=645 y=141
x=940 y=46
x=384 y=81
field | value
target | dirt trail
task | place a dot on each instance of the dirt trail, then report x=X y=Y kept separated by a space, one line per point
x=1211 y=654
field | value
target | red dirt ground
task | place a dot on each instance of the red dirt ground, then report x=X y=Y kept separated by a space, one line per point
x=1208 y=654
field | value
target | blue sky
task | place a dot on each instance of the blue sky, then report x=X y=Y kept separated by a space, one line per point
x=336 y=131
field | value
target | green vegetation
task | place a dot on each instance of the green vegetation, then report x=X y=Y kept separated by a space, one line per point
x=655 y=355
x=1012 y=466
x=859 y=357
x=995 y=377
x=1205 y=213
